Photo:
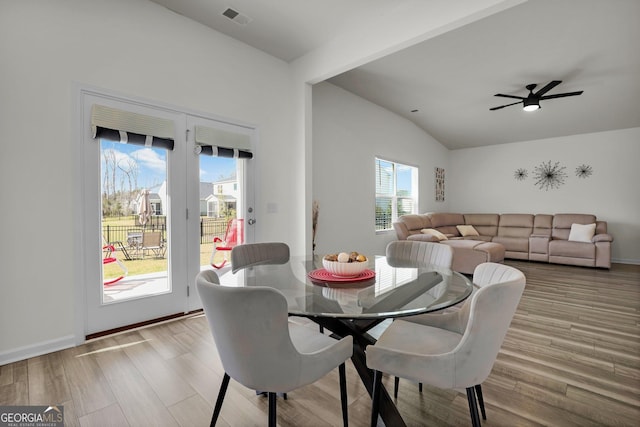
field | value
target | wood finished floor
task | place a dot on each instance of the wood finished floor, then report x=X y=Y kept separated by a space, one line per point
x=571 y=358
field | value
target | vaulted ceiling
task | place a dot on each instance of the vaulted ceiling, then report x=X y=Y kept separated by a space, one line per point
x=446 y=84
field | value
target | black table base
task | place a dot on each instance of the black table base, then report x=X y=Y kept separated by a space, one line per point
x=361 y=339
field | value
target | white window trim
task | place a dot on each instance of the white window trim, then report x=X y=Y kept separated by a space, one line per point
x=395 y=198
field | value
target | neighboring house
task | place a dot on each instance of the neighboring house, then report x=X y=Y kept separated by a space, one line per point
x=156 y=204
x=208 y=207
x=216 y=198
x=222 y=197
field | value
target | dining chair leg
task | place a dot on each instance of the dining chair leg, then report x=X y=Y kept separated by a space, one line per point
x=221 y=393
x=264 y=393
x=396 y=384
x=473 y=407
x=375 y=397
x=272 y=409
x=478 y=388
x=343 y=394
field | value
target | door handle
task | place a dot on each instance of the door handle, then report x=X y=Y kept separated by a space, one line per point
x=251 y=221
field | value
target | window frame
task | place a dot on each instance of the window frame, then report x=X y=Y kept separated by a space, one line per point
x=394 y=196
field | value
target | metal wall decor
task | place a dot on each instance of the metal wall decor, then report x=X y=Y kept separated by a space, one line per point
x=549 y=176
x=520 y=174
x=584 y=171
x=439 y=184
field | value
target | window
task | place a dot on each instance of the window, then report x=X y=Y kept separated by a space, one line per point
x=396 y=192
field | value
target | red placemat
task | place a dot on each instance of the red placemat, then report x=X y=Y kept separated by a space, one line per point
x=322 y=275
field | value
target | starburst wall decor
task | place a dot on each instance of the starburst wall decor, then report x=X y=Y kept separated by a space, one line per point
x=549 y=176
x=584 y=171
x=520 y=174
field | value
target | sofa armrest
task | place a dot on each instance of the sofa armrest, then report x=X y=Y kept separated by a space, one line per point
x=602 y=238
x=423 y=238
x=402 y=232
x=539 y=247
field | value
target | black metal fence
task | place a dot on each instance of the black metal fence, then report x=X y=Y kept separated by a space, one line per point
x=209 y=228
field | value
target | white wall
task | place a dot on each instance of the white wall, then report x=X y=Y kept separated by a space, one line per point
x=132 y=47
x=482 y=180
x=348 y=133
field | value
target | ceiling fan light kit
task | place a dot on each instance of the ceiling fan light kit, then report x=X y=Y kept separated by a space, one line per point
x=530 y=105
x=532 y=101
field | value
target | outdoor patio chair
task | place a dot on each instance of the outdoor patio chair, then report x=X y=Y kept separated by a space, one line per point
x=232 y=237
x=152 y=242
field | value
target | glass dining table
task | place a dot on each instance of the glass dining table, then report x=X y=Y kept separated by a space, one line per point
x=353 y=306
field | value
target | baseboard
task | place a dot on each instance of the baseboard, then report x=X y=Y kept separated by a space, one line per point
x=625 y=261
x=26 y=352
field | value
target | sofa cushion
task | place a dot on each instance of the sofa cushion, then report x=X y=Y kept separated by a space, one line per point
x=564 y=248
x=542 y=224
x=515 y=225
x=582 y=232
x=513 y=244
x=446 y=222
x=467 y=254
x=486 y=224
x=438 y=235
x=467 y=230
x=562 y=224
x=415 y=222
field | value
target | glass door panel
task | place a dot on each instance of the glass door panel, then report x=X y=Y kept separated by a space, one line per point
x=219 y=202
x=134 y=221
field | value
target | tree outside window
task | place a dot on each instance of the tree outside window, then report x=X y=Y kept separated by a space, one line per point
x=396 y=192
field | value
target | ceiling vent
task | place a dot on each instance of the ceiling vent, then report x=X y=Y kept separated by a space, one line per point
x=236 y=16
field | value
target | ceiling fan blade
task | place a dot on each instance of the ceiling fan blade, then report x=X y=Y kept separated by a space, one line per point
x=509 y=96
x=548 y=87
x=562 y=95
x=502 y=106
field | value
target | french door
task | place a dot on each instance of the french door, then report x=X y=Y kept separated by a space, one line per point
x=142 y=219
x=224 y=190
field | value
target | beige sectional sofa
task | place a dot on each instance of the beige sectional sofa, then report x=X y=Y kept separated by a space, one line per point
x=538 y=237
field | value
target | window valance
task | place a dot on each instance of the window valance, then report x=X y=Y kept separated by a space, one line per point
x=131 y=128
x=221 y=143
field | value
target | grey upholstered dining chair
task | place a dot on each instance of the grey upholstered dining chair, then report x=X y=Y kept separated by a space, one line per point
x=408 y=252
x=261 y=349
x=248 y=254
x=452 y=350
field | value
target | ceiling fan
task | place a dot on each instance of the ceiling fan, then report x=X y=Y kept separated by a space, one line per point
x=532 y=101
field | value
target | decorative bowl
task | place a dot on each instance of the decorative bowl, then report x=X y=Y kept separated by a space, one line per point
x=345 y=269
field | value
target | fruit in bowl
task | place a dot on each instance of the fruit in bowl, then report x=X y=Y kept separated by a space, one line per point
x=345 y=264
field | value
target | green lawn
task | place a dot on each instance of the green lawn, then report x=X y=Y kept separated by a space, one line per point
x=150 y=263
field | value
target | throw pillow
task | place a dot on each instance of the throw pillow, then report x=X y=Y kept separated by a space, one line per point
x=434 y=232
x=582 y=232
x=467 y=230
